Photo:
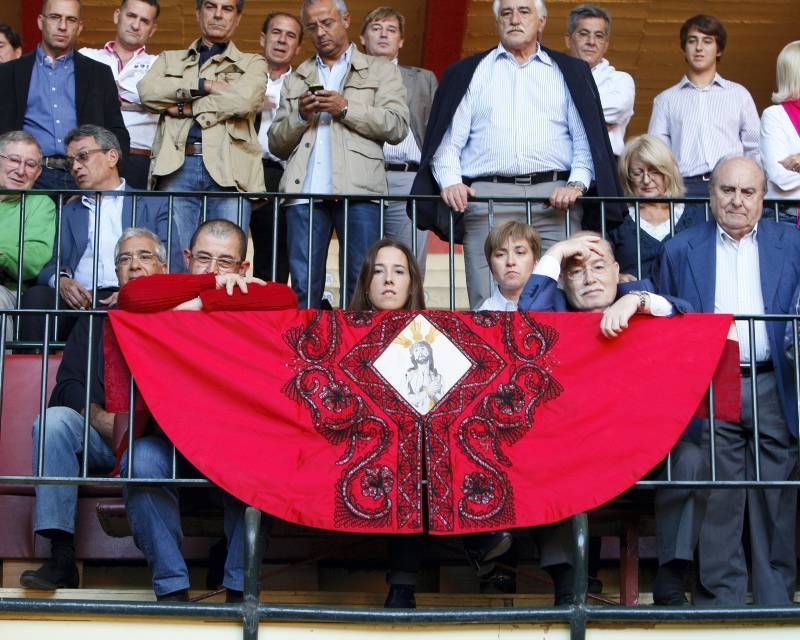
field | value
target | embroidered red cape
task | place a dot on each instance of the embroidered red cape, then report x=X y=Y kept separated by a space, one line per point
x=293 y=411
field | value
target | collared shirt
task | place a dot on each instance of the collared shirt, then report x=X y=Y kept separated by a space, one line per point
x=110 y=229
x=704 y=124
x=405 y=151
x=141 y=124
x=617 y=94
x=497 y=302
x=205 y=53
x=738 y=289
x=273 y=91
x=514 y=119
x=319 y=178
x=50 y=113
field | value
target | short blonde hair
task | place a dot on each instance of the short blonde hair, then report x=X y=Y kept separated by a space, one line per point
x=501 y=234
x=787 y=74
x=654 y=153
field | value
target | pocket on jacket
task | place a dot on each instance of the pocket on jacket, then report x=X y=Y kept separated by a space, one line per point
x=365 y=163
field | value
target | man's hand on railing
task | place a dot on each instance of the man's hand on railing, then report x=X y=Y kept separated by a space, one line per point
x=457 y=196
x=74 y=294
x=565 y=197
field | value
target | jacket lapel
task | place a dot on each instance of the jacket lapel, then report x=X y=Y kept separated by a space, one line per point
x=770 y=262
x=22 y=83
x=702 y=258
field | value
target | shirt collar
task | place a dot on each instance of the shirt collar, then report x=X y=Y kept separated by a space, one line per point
x=42 y=57
x=109 y=47
x=88 y=201
x=601 y=66
x=541 y=54
x=346 y=56
x=724 y=237
x=718 y=80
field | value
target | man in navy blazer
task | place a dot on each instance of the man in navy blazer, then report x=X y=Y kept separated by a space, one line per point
x=93 y=155
x=744 y=265
x=54 y=88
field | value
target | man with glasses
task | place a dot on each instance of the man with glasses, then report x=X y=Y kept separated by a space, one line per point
x=54 y=89
x=138 y=252
x=207 y=97
x=20 y=165
x=93 y=156
x=588 y=32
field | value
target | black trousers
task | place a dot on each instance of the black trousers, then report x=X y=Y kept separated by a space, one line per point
x=262 y=222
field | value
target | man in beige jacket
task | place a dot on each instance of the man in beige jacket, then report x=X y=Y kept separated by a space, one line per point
x=207 y=96
x=337 y=110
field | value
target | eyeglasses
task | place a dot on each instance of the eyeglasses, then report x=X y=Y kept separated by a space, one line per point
x=223 y=262
x=322 y=25
x=19 y=162
x=596 y=268
x=82 y=156
x=639 y=174
x=57 y=18
x=126 y=259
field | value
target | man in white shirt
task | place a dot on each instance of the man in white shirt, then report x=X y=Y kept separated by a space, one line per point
x=382 y=35
x=704 y=117
x=588 y=32
x=136 y=22
x=281 y=37
x=78 y=277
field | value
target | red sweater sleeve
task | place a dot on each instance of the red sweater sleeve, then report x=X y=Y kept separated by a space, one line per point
x=163 y=291
x=259 y=297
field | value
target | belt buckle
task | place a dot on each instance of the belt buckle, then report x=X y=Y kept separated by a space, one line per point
x=524 y=180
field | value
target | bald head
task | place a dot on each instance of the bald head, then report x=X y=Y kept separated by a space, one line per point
x=738 y=186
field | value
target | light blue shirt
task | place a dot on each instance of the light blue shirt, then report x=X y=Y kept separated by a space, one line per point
x=319 y=175
x=514 y=119
x=50 y=112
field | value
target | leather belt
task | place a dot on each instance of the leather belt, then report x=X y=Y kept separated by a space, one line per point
x=194 y=149
x=703 y=177
x=140 y=152
x=59 y=163
x=761 y=367
x=402 y=166
x=527 y=179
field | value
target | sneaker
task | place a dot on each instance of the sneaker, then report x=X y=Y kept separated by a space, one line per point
x=51 y=576
x=401 y=596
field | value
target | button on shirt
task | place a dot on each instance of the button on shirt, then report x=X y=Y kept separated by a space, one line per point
x=617 y=94
x=141 y=124
x=514 y=119
x=704 y=124
x=405 y=151
x=50 y=112
x=110 y=231
x=319 y=177
x=273 y=92
x=738 y=289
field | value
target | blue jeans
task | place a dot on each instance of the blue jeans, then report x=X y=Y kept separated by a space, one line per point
x=155 y=520
x=188 y=211
x=63 y=446
x=363 y=227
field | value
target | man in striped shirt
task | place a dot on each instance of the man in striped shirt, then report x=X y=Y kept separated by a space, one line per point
x=516 y=121
x=704 y=117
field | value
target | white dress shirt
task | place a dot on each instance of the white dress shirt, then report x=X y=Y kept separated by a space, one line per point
x=273 y=92
x=141 y=124
x=110 y=230
x=704 y=124
x=738 y=289
x=514 y=119
x=405 y=151
x=497 y=302
x=779 y=139
x=617 y=95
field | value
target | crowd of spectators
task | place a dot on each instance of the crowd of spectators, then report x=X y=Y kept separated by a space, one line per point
x=518 y=121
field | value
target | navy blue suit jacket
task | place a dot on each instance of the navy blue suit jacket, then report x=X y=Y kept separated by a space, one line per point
x=151 y=213
x=688 y=269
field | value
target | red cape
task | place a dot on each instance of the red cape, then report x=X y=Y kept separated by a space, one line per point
x=531 y=418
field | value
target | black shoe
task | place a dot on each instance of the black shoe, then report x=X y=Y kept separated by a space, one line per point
x=495 y=546
x=595 y=586
x=401 y=596
x=499 y=580
x=564 y=600
x=233 y=596
x=51 y=576
x=668 y=586
x=181 y=595
x=563 y=584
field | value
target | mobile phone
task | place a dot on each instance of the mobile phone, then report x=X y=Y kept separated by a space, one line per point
x=316 y=87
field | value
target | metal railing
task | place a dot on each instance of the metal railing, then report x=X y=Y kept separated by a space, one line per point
x=250 y=612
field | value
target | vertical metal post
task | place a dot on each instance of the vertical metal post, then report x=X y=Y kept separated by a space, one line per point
x=580 y=568
x=253 y=550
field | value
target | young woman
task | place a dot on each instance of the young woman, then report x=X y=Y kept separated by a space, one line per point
x=512 y=251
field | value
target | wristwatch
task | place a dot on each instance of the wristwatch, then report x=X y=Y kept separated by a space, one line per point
x=576 y=184
x=644 y=298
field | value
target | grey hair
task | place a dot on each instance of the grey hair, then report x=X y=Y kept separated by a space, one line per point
x=788 y=73
x=341 y=7
x=103 y=137
x=583 y=11
x=726 y=159
x=239 y=5
x=541 y=9
x=18 y=136
x=141 y=232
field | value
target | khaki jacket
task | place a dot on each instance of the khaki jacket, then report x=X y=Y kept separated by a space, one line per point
x=376 y=113
x=231 y=151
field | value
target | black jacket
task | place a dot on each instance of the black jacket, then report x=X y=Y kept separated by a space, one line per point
x=434 y=215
